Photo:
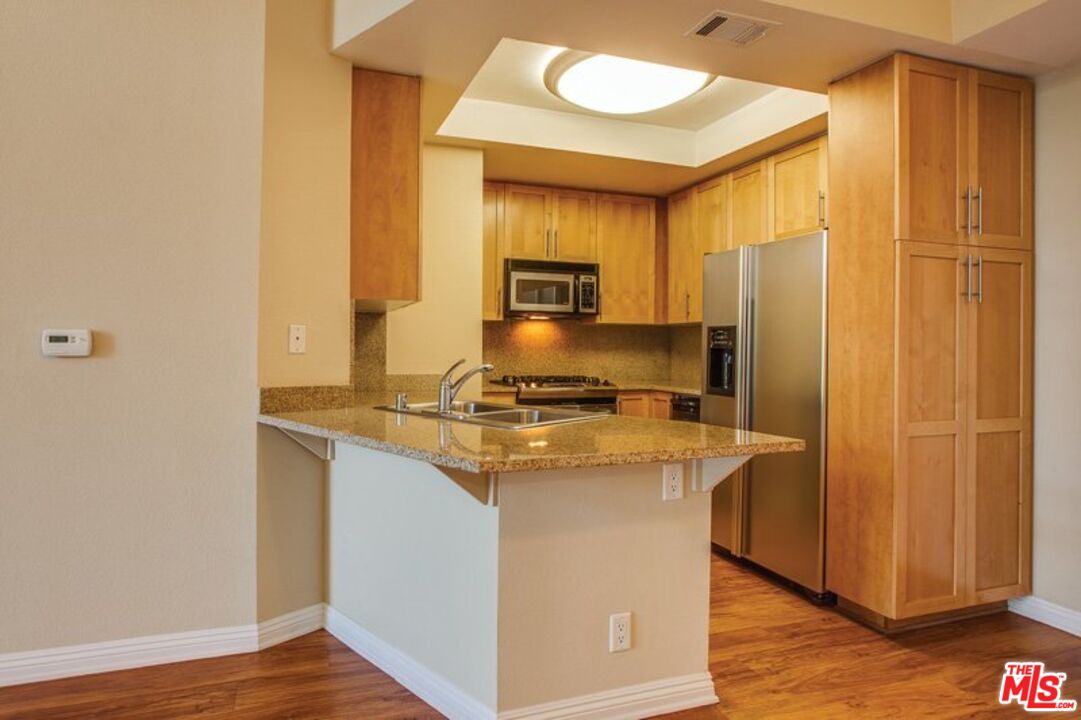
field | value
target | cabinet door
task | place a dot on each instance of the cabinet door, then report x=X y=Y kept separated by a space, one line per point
x=384 y=208
x=747 y=206
x=526 y=222
x=574 y=226
x=1001 y=159
x=797 y=200
x=684 y=259
x=660 y=405
x=930 y=486
x=492 y=307
x=633 y=404
x=626 y=239
x=713 y=215
x=932 y=162
x=999 y=428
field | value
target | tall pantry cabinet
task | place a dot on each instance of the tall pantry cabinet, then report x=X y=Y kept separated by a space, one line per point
x=929 y=478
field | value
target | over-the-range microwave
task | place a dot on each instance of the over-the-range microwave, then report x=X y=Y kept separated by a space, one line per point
x=546 y=289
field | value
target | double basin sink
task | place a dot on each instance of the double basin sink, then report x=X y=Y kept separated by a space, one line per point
x=496 y=415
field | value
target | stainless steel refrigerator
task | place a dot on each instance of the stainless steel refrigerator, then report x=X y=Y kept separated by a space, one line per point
x=764 y=369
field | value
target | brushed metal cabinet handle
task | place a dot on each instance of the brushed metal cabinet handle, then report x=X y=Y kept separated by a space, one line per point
x=979 y=197
x=968 y=278
x=979 y=283
x=555 y=243
x=687 y=305
x=968 y=210
x=548 y=243
x=821 y=209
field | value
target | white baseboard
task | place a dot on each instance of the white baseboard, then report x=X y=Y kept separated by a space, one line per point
x=626 y=703
x=430 y=687
x=72 y=660
x=1048 y=613
x=291 y=625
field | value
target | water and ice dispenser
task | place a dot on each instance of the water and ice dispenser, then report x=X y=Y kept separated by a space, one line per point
x=721 y=360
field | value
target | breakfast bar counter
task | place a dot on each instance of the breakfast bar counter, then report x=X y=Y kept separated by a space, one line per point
x=613 y=440
x=557 y=571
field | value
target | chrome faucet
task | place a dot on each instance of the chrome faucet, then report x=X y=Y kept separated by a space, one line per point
x=448 y=389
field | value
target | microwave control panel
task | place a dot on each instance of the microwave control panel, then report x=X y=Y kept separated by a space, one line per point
x=587 y=294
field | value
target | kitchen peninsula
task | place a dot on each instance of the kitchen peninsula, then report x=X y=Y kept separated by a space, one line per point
x=482 y=567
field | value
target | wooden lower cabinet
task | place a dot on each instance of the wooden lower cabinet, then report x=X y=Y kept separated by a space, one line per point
x=633 y=403
x=645 y=403
x=998 y=416
x=930 y=464
x=962 y=490
x=660 y=405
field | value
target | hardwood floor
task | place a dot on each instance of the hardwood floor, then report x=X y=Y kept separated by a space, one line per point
x=773 y=654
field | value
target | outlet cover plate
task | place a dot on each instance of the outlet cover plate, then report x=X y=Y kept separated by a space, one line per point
x=672 y=481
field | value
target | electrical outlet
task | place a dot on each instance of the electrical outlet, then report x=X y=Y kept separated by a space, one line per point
x=619 y=632
x=672 y=481
x=298 y=339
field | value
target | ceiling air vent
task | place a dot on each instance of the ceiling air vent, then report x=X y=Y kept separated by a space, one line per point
x=738 y=30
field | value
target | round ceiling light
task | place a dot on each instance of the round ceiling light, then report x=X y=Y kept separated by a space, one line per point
x=620 y=86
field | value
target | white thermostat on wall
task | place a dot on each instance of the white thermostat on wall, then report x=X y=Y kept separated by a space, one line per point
x=66 y=343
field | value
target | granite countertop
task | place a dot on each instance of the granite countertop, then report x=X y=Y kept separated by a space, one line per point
x=659 y=386
x=614 y=440
x=620 y=385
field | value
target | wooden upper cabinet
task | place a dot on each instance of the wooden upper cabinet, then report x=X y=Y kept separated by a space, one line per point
x=931 y=482
x=550 y=224
x=797 y=201
x=932 y=192
x=748 y=205
x=527 y=226
x=384 y=207
x=999 y=425
x=964 y=155
x=684 y=259
x=492 y=305
x=574 y=226
x=713 y=214
x=1001 y=159
x=626 y=236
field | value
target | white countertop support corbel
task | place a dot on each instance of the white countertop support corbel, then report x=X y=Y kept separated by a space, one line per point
x=322 y=448
x=708 y=473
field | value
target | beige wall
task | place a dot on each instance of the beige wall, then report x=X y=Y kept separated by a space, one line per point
x=130 y=192
x=304 y=249
x=445 y=325
x=291 y=527
x=1057 y=454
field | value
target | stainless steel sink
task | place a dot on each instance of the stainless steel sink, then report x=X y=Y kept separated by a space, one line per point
x=496 y=415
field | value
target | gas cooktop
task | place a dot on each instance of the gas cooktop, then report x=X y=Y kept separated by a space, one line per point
x=554 y=381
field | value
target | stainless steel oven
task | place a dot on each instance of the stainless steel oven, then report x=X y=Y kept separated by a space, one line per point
x=542 y=289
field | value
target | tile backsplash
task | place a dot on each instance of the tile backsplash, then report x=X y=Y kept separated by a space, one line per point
x=615 y=352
